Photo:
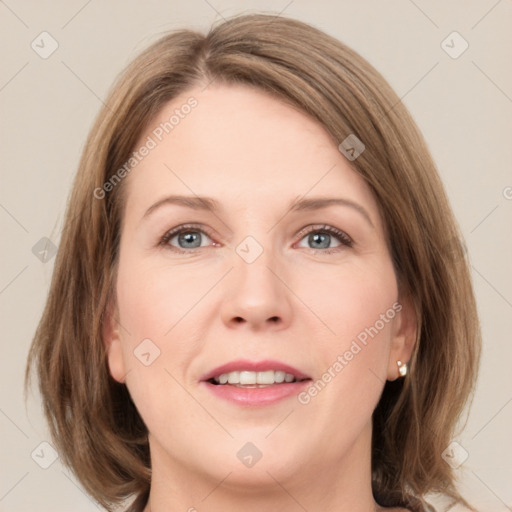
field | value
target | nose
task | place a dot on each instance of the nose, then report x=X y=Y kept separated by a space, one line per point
x=255 y=295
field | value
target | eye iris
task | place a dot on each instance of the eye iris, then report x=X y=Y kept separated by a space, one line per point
x=317 y=237
x=190 y=237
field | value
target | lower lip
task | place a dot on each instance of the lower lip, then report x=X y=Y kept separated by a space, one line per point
x=252 y=397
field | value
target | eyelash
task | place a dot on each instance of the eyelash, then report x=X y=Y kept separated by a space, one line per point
x=340 y=235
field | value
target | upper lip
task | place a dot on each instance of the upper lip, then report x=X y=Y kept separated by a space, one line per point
x=254 y=366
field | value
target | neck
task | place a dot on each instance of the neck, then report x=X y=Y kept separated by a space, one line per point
x=334 y=484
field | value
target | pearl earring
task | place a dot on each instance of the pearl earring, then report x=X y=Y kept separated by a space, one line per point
x=402 y=368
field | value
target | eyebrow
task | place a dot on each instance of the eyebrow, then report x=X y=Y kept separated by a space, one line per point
x=211 y=205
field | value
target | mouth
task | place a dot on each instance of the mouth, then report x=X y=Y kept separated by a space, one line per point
x=253 y=383
x=244 y=372
x=251 y=379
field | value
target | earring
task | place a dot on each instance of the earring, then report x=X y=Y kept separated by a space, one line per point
x=402 y=368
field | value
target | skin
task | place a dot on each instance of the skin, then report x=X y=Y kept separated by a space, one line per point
x=295 y=303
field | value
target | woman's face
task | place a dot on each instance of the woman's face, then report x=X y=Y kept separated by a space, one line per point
x=284 y=269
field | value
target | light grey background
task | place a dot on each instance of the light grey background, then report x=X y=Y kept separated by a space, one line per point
x=463 y=106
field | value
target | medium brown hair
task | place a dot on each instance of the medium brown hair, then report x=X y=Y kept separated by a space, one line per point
x=92 y=418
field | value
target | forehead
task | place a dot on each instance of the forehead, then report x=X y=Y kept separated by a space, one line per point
x=243 y=147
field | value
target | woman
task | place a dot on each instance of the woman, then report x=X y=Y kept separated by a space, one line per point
x=259 y=299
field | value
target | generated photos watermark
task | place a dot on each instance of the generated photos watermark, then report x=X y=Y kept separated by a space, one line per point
x=151 y=142
x=344 y=359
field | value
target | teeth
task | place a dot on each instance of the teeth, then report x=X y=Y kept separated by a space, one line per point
x=288 y=377
x=233 y=377
x=247 y=378
x=279 y=377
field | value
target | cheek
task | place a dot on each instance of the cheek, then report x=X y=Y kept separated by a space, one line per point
x=365 y=313
x=351 y=362
x=158 y=309
x=359 y=310
x=355 y=302
x=149 y=305
x=153 y=299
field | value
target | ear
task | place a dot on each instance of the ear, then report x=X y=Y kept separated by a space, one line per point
x=405 y=328
x=113 y=344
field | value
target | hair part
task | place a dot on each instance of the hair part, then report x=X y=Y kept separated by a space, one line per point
x=92 y=418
